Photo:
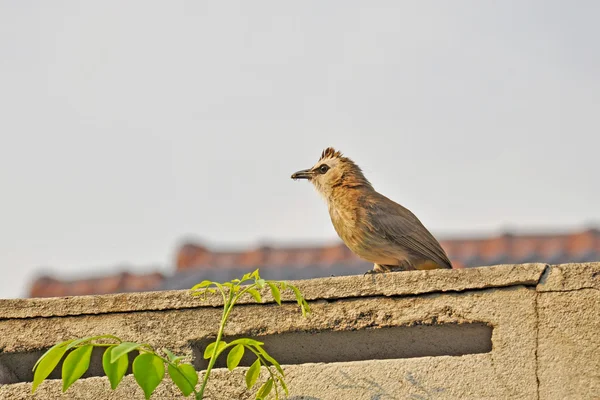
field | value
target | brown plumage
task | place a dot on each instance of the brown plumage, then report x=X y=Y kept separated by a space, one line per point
x=374 y=227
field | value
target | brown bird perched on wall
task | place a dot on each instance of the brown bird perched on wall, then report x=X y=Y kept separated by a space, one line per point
x=374 y=227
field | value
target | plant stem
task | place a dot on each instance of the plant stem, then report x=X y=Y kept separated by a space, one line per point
x=213 y=358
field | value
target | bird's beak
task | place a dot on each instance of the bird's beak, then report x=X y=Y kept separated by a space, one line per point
x=304 y=174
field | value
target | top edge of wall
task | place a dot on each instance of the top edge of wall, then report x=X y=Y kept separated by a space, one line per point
x=391 y=284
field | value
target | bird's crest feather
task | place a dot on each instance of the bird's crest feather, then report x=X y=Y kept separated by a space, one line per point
x=330 y=152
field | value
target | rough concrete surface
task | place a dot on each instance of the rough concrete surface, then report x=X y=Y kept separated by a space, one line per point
x=569 y=332
x=567 y=277
x=503 y=332
x=416 y=282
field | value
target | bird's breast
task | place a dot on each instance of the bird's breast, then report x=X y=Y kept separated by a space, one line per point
x=350 y=227
x=344 y=222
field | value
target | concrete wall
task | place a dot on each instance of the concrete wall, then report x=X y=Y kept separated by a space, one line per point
x=512 y=331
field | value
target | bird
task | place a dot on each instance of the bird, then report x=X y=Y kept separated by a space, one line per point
x=372 y=226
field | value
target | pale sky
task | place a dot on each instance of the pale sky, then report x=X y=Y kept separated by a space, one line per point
x=127 y=127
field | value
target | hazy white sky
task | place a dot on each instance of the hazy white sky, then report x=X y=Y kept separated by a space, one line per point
x=126 y=127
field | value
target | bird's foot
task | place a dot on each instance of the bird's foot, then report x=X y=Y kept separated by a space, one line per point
x=377 y=269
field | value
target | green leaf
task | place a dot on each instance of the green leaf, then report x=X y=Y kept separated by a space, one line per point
x=255 y=274
x=123 y=348
x=57 y=345
x=47 y=362
x=252 y=373
x=79 y=341
x=209 y=349
x=305 y=308
x=185 y=377
x=300 y=299
x=275 y=292
x=283 y=385
x=265 y=389
x=172 y=357
x=201 y=285
x=270 y=359
x=75 y=365
x=148 y=371
x=235 y=356
x=220 y=287
x=169 y=354
x=90 y=338
x=115 y=371
x=260 y=283
x=247 y=342
x=246 y=277
x=283 y=285
x=255 y=294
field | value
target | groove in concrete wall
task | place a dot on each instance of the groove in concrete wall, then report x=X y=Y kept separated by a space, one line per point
x=366 y=344
x=309 y=347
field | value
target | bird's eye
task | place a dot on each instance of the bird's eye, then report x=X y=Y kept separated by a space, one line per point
x=323 y=168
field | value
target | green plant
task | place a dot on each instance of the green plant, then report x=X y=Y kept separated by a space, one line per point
x=149 y=365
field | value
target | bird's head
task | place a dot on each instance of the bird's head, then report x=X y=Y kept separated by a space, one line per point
x=333 y=171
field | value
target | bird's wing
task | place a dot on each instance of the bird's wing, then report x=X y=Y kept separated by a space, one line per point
x=394 y=223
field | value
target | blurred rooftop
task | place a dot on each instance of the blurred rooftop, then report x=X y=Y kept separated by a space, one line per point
x=195 y=262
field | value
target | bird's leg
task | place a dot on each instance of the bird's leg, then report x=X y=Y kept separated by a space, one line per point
x=377 y=269
x=381 y=269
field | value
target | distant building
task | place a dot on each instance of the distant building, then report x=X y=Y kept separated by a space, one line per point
x=195 y=263
x=120 y=283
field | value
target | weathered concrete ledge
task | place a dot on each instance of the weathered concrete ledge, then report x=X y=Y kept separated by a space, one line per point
x=567 y=277
x=417 y=282
x=512 y=331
